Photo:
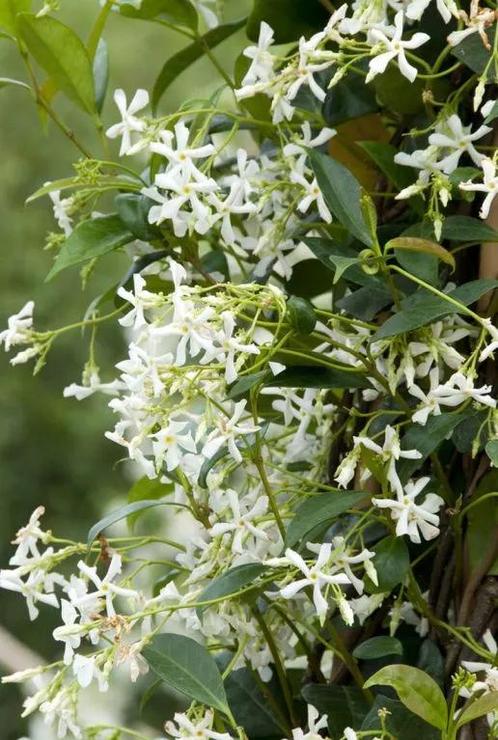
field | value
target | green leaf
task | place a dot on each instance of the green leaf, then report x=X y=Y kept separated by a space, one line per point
x=493 y=113
x=392 y=562
x=235 y=579
x=378 y=647
x=309 y=279
x=492 y=451
x=468 y=229
x=187 y=667
x=290 y=19
x=9 y=82
x=245 y=383
x=350 y=98
x=250 y=705
x=101 y=184
x=122 y=513
x=342 y=264
x=317 y=377
x=146 y=489
x=342 y=193
x=325 y=249
x=180 y=61
x=177 y=12
x=423 y=308
x=431 y=661
x=478 y=707
x=100 y=73
x=62 y=55
x=482 y=523
x=400 y=722
x=301 y=315
x=365 y=303
x=472 y=52
x=8 y=12
x=426 y=439
x=321 y=509
x=414 y=244
x=345 y=706
x=418 y=692
x=92 y=238
x=382 y=154
x=133 y=210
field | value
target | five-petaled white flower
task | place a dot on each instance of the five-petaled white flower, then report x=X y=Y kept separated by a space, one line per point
x=411 y=517
x=170 y=441
x=261 y=67
x=227 y=430
x=315 y=725
x=242 y=520
x=460 y=388
x=489 y=185
x=105 y=586
x=453 y=136
x=391 y=39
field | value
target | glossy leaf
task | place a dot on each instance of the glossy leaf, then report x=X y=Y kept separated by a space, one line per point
x=145 y=489
x=133 y=209
x=472 y=52
x=301 y=315
x=418 y=692
x=345 y=706
x=342 y=194
x=347 y=100
x=342 y=264
x=317 y=377
x=186 y=666
x=290 y=19
x=378 y=647
x=92 y=238
x=426 y=439
x=62 y=55
x=320 y=509
x=392 y=562
x=423 y=308
x=245 y=383
x=400 y=722
x=383 y=154
x=180 y=61
x=101 y=184
x=8 y=12
x=250 y=705
x=414 y=244
x=121 y=513
x=235 y=579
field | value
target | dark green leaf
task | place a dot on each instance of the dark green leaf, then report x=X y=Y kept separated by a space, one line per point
x=431 y=661
x=345 y=706
x=133 y=210
x=342 y=193
x=468 y=229
x=426 y=439
x=122 y=513
x=301 y=315
x=400 y=722
x=309 y=279
x=233 y=580
x=472 y=52
x=324 y=249
x=100 y=73
x=92 y=238
x=383 y=155
x=350 y=98
x=62 y=55
x=187 y=667
x=391 y=562
x=318 y=377
x=289 y=18
x=245 y=383
x=418 y=692
x=342 y=264
x=366 y=302
x=250 y=705
x=320 y=509
x=208 y=464
x=378 y=647
x=177 y=12
x=180 y=61
x=423 y=308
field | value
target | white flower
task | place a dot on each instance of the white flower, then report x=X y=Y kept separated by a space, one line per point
x=299 y=145
x=170 y=441
x=62 y=208
x=19 y=327
x=33 y=589
x=200 y=729
x=140 y=299
x=61 y=708
x=460 y=388
x=350 y=734
x=451 y=135
x=305 y=72
x=395 y=47
x=446 y=9
x=27 y=537
x=129 y=123
x=430 y=403
x=175 y=148
x=132 y=657
x=93 y=385
x=69 y=633
x=316 y=575
x=105 y=586
x=488 y=681
x=261 y=67
x=187 y=194
x=390 y=452
x=229 y=345
x=243 y=517
x=489 y=186
x=226 y=432
x=312 y=194
x=85 y=670
x=315 y=724
x=411 y=517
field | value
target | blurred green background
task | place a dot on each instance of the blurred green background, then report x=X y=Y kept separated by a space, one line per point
x=52 y=450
